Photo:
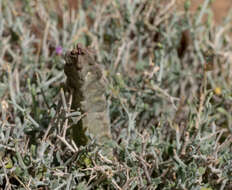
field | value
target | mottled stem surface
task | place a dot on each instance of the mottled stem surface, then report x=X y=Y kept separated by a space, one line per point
x=86 y=83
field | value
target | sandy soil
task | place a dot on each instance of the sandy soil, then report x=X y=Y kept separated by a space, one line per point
x=220 y=8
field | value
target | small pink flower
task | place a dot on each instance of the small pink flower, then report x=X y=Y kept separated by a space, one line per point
x=59 y=50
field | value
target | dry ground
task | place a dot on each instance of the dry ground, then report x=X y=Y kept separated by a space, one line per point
x=220 y=8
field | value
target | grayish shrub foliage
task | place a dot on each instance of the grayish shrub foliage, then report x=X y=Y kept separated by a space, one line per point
x=170 y=115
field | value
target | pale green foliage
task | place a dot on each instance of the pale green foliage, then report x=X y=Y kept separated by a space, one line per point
x=170 y=124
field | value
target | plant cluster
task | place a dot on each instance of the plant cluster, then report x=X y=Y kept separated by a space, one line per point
x=169 y=96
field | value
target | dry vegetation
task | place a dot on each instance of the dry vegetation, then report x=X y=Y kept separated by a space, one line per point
x=169 y=95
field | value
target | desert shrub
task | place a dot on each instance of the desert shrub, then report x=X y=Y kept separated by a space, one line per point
x=169 y=94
